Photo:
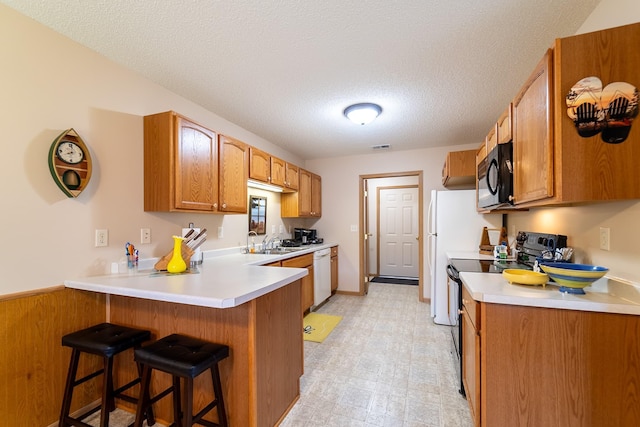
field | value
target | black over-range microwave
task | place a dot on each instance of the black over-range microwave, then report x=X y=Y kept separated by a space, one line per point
x=495 y=177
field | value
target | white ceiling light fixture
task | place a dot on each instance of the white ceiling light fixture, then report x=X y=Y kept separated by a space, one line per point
x=363 y=113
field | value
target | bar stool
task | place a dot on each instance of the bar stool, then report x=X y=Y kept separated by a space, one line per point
x=105 y=340
x=182 y=357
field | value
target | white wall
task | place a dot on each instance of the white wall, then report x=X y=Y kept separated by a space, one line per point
x=48 y=84
x=340 y=204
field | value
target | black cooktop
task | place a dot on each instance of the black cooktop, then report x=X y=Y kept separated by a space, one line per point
x=485 y=266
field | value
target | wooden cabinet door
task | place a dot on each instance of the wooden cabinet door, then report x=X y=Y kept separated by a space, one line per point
x=471 y=366
x=304 y=193
x=533 y=135
x=292 y=173
x=278 y=171
x=316 y=195
x=303 y=261
x=234 y=172
x=195 y=167
x=259 y=165
x=334 y=268
x=505 y=128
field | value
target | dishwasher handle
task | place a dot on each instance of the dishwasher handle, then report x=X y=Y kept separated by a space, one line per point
x=322 y=253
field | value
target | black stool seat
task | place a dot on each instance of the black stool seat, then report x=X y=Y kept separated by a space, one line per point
x=182 y=357
x=105 y=340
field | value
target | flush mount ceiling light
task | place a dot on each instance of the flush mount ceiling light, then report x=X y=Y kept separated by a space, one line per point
x=362 y=113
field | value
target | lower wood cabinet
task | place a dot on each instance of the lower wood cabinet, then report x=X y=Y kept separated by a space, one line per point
x=471 y=354
x=334 y=269
x=530 y=366
x=303 y=261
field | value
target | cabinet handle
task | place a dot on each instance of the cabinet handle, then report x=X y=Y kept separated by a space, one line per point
x=224 y=206
x=215 y=205
x=461 y=311
x=464 y=301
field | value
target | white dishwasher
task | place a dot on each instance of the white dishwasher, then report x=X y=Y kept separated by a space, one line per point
x=321 y=276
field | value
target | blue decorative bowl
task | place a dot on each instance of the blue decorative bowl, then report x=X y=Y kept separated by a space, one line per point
x=573 y=276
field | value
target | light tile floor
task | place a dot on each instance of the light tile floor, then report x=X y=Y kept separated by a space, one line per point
x=386 y=364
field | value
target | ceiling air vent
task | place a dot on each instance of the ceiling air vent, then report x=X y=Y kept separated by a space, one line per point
x=381 y=147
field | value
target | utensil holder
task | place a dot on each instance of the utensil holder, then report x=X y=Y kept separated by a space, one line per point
x=187 y=253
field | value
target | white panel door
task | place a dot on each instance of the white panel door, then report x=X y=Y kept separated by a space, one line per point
x=398 y=224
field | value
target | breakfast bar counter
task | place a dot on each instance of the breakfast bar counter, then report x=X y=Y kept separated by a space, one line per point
x=253 y=309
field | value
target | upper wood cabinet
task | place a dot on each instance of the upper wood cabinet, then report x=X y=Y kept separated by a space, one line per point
x=588 y=168
x=272 y=170
x=553 y=162
x=307 y=201
x=504 y=127
x=292 y=177
x=278 y=171
x=180 y=165
x=533 y=138
x=259 y=165
x=233 y=175
x=316 y=195
x=459 y=169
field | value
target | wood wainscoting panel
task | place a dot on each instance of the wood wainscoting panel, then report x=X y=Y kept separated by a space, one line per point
x=33 y=363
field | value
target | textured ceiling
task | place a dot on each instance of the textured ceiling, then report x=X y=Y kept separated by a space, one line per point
x=442 y=70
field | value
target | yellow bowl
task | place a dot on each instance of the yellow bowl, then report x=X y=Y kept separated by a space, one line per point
x=525 y=277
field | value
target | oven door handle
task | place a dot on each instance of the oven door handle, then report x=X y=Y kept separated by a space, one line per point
x=451 y=272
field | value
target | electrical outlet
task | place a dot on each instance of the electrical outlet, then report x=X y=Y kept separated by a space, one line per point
x=102 y=237
x=220 y=232
x=145 y=236
x=605 y=243
x=281 y=228
x=273 y=229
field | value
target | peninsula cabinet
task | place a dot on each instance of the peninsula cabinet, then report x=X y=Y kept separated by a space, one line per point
x=553 y=163
x=531 y=366
x=180 y=165
x=233 y=175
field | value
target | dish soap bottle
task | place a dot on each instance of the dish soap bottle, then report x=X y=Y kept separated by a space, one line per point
x=503 y=251
x=176 y=263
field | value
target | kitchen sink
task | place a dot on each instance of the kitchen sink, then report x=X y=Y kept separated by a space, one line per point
x=279 y=250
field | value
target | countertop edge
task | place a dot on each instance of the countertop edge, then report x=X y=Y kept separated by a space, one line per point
x=494 y=289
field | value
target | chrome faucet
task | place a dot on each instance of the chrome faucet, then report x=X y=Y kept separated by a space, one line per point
x=248 y=250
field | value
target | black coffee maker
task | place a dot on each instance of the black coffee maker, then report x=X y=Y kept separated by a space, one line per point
x=305 y=236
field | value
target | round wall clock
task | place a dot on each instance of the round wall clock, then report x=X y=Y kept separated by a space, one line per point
x=70 y=163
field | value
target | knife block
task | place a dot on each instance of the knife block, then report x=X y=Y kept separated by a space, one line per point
x=186 y=252
x=486 y=247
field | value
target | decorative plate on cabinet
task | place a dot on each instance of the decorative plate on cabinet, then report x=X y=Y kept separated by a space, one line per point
x=70 y=163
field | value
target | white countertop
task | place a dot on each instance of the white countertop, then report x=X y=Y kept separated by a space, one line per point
x=607 y=295
x=468 y=255
x=226 y=278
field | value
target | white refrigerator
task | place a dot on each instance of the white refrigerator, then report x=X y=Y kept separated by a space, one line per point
x=454 y=225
